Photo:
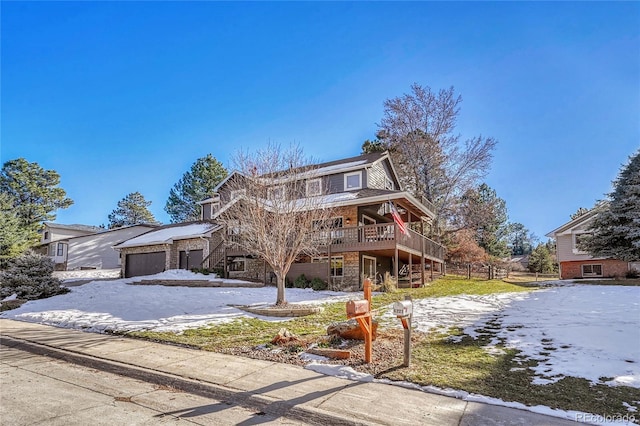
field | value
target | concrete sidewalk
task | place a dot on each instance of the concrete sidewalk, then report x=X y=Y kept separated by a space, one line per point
x=273 y=388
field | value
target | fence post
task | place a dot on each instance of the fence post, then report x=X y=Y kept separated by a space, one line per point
x=469 y=271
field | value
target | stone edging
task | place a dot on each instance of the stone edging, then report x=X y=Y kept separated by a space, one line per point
x=285 y=311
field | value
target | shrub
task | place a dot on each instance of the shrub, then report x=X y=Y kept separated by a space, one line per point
x=317 y=284
x=301 y=282
x=29 y=277
x=389 y=285
x=633 y=273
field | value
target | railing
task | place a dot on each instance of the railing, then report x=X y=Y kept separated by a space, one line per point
x=383 y=236
x=215 y=257
x=428 y=204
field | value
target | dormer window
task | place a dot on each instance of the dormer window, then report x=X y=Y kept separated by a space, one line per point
x=352 y=181
x=314 y=187
x=388 y=184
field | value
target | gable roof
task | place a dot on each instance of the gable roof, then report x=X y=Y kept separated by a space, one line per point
x=577 y=222
x=323 y=169
x=74 y=227
x=170 y=233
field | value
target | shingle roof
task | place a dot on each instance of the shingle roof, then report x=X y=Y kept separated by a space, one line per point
x=75 y=227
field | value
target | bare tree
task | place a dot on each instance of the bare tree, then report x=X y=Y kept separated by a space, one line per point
x=268 y=212
x=418 y=129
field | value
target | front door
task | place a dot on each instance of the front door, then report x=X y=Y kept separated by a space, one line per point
x=369 y=268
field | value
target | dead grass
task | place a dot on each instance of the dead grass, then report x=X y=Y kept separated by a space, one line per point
x=436 y=360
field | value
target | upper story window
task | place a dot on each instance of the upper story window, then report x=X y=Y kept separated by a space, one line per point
x=276 y=193
x=314 y=187
x=388 y=184
x=46 y=235
x=352 y=181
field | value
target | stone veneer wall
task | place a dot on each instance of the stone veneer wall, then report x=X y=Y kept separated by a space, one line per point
x=254 y=270
x=144 y=249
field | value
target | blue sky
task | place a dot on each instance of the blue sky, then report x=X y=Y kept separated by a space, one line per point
x=120 y=97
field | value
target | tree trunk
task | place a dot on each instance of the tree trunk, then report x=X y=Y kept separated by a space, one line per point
x=280 y=299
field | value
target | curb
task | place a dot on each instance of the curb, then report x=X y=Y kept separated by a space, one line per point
x=265 y=404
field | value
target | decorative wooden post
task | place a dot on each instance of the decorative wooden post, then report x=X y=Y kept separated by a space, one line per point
x=360 y=310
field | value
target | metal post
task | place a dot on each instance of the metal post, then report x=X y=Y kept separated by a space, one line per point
x=407 y=337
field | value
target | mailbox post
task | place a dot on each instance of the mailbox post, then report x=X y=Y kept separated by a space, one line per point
x=404 y=311
x=360 y=310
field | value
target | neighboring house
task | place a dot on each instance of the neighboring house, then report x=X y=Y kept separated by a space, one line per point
x=365 y=241
x=575 y=263
x=74 y=247
x=177 y=246
x=53 y=240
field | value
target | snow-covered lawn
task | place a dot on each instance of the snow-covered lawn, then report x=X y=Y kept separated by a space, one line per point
x=584 y=331
x=118 y=306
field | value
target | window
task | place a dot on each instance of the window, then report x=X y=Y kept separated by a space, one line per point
x=337 y=264
x=238 y=193
x=46 y=235
x=352 y=181
x=314 y=187
x=276 y=193
x=52 y=249
x=238 y=265
x=388 y=184
x=60 y=249
x=592 y=270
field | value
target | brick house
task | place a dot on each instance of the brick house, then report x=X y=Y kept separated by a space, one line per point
x=365 y=241
x=575 y=263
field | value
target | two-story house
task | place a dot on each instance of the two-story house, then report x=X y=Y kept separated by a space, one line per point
x=73 y=247
x=365 y=239
x=575 y=263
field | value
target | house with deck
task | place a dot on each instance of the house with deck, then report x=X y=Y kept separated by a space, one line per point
x=364 y=193
x=575 y=263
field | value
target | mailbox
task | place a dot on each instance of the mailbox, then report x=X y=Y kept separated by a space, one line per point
x=403 y=308
x=357 y=307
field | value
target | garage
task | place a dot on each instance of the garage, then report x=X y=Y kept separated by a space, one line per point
x=144 y=264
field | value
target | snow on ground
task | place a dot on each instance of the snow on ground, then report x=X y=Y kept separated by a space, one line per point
x=587 y=331
x=116 y=305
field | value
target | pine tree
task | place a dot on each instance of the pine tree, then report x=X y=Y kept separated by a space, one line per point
x=541 y=260
x=195 y=185
x=34 y=190
x=14 y=238
x=132 y=210
x=29 y=277
x=615 y=230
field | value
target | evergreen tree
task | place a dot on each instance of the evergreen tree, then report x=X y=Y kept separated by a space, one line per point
x=486 y=214
x=132 y=210
x=29 y=277
x=14 y=238
x=615 y=230
x=34 y=191
x=195 y=185
x=541 y=260
x=579 y=213
x=521 y=240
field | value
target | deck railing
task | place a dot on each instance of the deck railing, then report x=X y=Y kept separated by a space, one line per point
x=383 y=236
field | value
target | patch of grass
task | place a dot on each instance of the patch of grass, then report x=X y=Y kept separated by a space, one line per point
x=467 y=366
x=437 y=360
